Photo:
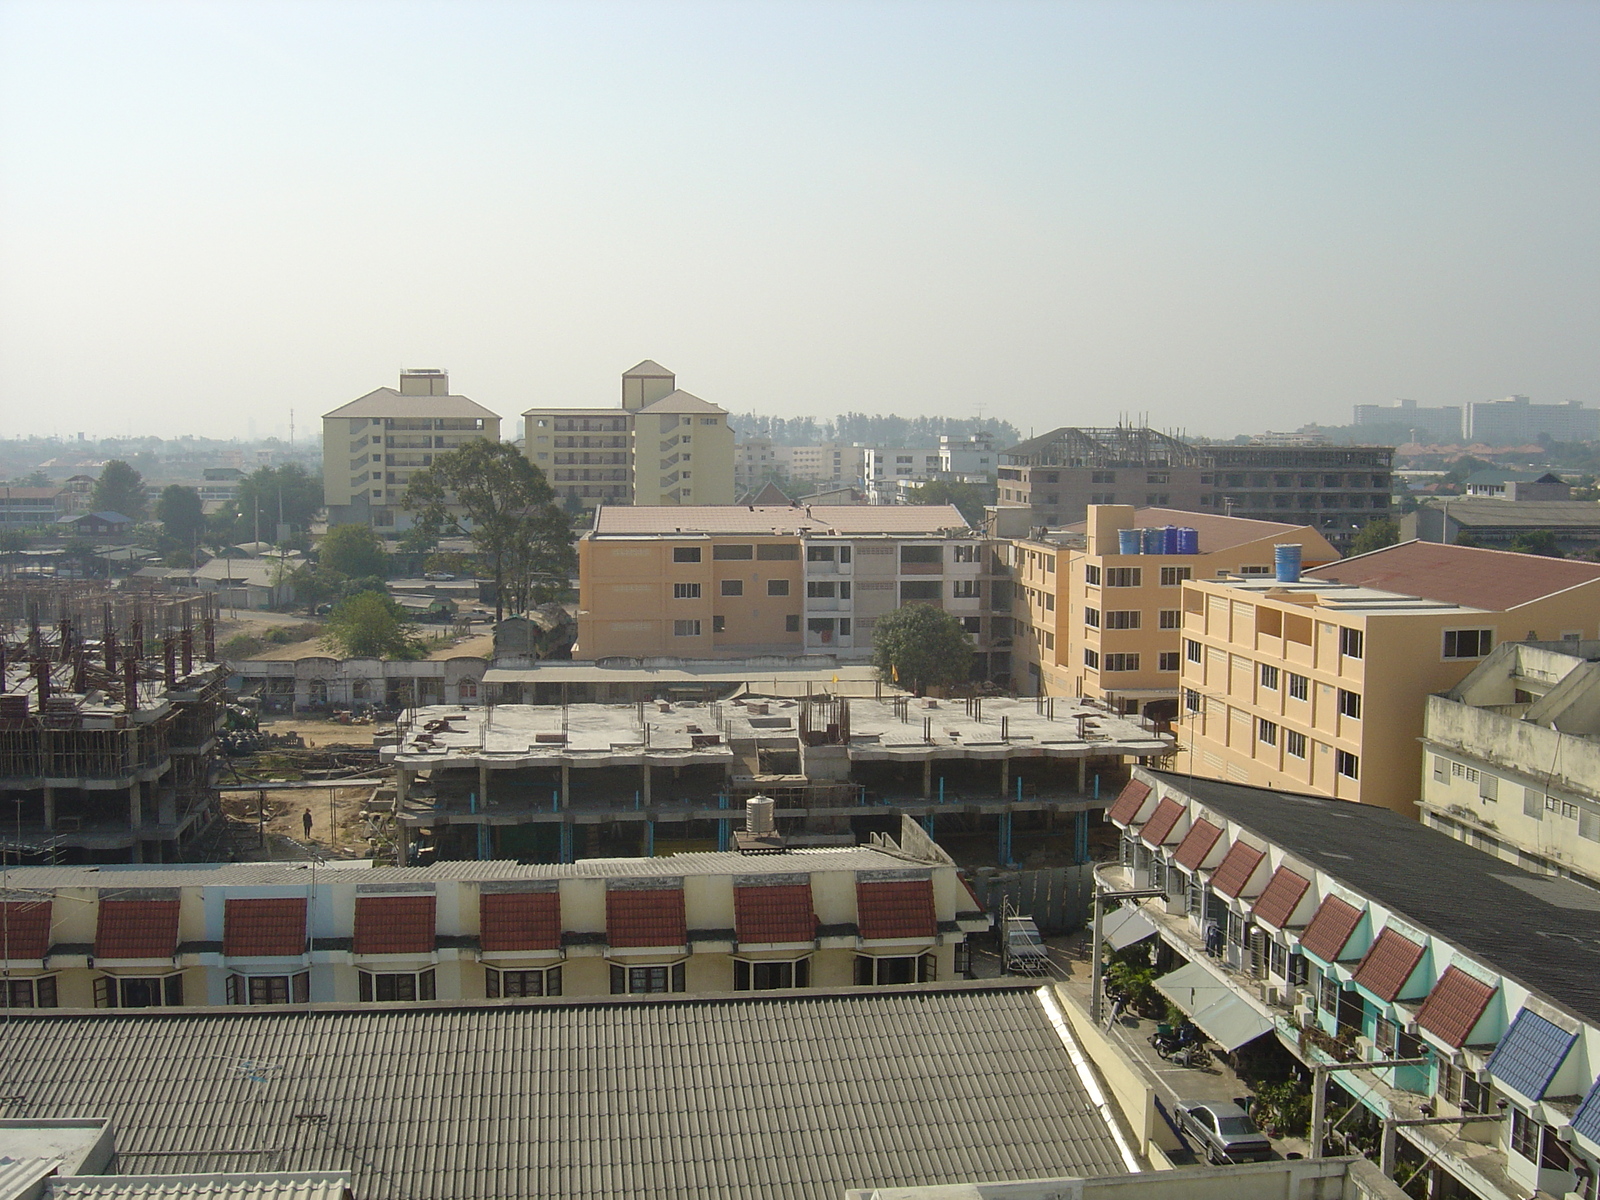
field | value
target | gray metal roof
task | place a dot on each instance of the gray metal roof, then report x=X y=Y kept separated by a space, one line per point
x=797 y=1095
x=387 y=402
x=711 y=862
x=303 y=1185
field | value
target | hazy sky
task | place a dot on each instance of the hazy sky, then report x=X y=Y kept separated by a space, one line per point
x=1228 y=216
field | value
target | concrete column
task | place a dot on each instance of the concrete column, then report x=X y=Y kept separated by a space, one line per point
x=1083 y=764
x=1005 y=778
x=644 y=788
x=483 y=785
x=135 y=808
x=1319 y=1109
x=402 y=844
x=566 y=786
x=402 y=786
x=49 y=808
x=927 y=779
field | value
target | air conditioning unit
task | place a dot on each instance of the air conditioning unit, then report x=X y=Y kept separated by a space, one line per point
x=1306 y=997
x=1364 y=1047
x=1412 y=1029
x=1272 y=994
x=1305 y=1016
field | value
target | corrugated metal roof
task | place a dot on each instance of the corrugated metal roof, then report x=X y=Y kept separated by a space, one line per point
x=1530 y=1054
x=856 y=858
x=387 y=402
x=1493 y=580
x=681 y=401
x=306 y=1185
x=789 y=1098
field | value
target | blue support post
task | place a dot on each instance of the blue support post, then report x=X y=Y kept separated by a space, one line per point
x=1004 y=840
x=636 y=802
x=649 y=839
x=724 y=833
x=485 y=844
x=1080 y=839
x=1019 y=789
x=555 y=799
x=1097 y=787
x=941 y=789
x=927 y=824
x=566 y=842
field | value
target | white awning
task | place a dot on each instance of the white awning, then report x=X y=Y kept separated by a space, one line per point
x=1219 y=1011
x=1122 y=927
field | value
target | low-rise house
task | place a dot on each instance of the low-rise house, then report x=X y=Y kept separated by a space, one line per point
x=1575 y=524
x=1512 y=758
x=27 y=506
x=1464 y=992
x=95 y=524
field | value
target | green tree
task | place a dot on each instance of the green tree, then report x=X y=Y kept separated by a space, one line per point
x=37 y=479
x=353 y=550
x=371 y=625
x=489 y=490
x=919 y=646
x=1375 y=535
x=119 y=489
x=181 y=514
x=263 y=491
x=1537 y=541
x=968 y=497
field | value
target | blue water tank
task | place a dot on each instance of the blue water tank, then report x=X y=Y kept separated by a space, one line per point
x=1128 y=541
x=1287 y=560
x=1153 y=541
x=1188 y=540
x=1169 y=539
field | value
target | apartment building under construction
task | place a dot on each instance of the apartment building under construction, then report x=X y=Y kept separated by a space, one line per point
x=110 y=702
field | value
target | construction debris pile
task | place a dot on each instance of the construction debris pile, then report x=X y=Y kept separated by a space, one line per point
x=110 y=705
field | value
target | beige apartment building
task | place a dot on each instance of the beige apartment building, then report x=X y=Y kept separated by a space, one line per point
x=1321 y=685
x=372 y=446
x=1092 y=620
x=731 y=581
x=662 y=446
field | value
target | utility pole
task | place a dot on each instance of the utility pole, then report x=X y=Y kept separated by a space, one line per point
x=1100 y=898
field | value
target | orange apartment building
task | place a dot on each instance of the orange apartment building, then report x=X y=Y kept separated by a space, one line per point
x=1320 y=685
x=1092 y=621
x=734 y=581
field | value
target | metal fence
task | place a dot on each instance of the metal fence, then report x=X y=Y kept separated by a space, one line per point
x=1057 y=899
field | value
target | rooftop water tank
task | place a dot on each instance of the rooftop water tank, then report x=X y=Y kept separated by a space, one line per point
x=1287 y=560
x=1188 y=540
x=1128 y=541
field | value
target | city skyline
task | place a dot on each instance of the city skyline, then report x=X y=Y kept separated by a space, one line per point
x=1226 y=217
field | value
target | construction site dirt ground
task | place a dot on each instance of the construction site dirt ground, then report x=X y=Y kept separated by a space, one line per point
x=337 y=828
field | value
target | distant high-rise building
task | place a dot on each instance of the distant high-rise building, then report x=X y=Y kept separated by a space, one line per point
x=372 y=446
x=1514 y=420
x=1429 y=424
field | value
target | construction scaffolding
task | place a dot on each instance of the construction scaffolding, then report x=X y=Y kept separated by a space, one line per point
x=1118 y=446
x=110 y=703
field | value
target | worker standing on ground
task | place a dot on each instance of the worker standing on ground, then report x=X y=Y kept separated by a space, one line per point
x=306 y=820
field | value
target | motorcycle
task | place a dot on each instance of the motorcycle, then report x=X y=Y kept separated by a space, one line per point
x=1169 y=1042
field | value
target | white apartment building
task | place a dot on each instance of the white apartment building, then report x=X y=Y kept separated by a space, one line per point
x=372 y=446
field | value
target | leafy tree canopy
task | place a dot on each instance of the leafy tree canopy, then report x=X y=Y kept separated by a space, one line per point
x=919 y=646
x=968 y=497
x=371 y=625
x=1375 y=535
x=181 y=514
x=523 y=537
x=259 y=494
x=119 y=489
x=1537 y=541
x=353 y=550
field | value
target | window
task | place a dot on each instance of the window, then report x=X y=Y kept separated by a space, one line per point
x=819 y=553
x=1350 y=642
x=1121 y=662
x=1328 y=994
x=1267 y=732
x=1294 y=744
x=37 y=992
x=719 y=624
x=844 y=626
x=922 y=555
x=733 y=587
x=1299 y=686
x=964 y=589
x=881 y=972
x=138 y=991
x=686 y=554
x=1269 y=677
x=1467 y=643
x=686 y=591
x=844 y=591
x=1124 y=577
x=1123 y=619
x=1533 y=804
x=269 y=989
x=920 y=589
x=1171 y=618
x=749 y=976
x=1347 y=764
x=844 y=554
x=1091 y=618
x=1350 y=704
x=821 y=591
x=1174 y=576
x=1103 y=477
x=639 y=981
x=1525 y=1135
x=725 y=553
x=1192 y=651
x=1169 y=660
x=509 y=984
x=1091 y=575
x=1191 y=700
x=778 y=552
x=791 y=623
x=686 y=629
x=777 y=587
x=409 y=985
x=969 y=554
x=1091 y=659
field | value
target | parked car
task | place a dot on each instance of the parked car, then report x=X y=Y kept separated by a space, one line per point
x=438 y=576
x=1225 y=1131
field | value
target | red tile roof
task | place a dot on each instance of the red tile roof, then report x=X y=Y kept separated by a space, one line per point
x=901 y=909
x=1197 y=844
x=519 y=921
x=1388 y=964
x=1454 y=1006
x=264 y=928
x=1161 y=821
x=394 y=925
x=1235 y=869
x=136 y=929
x=25 y=929
x=776 y=913
x=1489 y=579
x=1330 y=928
x=1126 y=806
x=1280 y=898
x=646 y=917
